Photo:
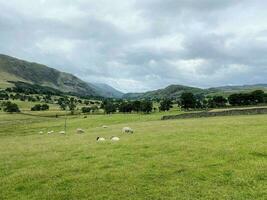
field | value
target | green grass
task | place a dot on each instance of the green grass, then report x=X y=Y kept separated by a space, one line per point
x=209 y=158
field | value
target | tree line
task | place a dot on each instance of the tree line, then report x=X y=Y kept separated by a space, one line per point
x=191 y=101
x=186 y=101
x=112 y=106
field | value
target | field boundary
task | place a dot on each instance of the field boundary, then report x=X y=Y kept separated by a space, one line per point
x=234 y=112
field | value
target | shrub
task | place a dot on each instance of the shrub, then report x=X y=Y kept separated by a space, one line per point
x=10 y=107
x=109 y=107
x=86 y=109
x=146 y=106
x=165 y=105
x=188 y=100
x=39 y=107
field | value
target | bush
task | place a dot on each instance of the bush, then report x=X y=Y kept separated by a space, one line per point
x=188 y=100
x=253 y=98
x=86 y=109
x=45 y=107
x=10 y=107
x=217 y=101
x=3 y=96
x=146 y=106
x=109 y=107
x=39 y=107
x=126 y=107
x=165 y=105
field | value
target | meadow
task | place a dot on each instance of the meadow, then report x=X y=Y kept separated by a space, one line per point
x=208 y=158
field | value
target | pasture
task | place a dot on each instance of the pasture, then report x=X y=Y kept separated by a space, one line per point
x=208 y=158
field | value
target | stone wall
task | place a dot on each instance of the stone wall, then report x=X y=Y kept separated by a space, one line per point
x=253 y=111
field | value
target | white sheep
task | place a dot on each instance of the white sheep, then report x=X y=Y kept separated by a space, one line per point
x=104 y=126
x=100 y=139
x=41 y=132
x=113 y=138
x=62 y=132
x=127 y=130
x=79 y=131
x=50 y=132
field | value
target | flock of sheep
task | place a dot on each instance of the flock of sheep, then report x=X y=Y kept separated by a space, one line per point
x=99 y=139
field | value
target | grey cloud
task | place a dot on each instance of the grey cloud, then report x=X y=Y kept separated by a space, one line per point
x=141 y=45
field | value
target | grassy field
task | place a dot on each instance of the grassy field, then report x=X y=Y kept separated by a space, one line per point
x=209 y=158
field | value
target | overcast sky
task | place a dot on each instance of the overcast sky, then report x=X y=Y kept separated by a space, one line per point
x=139 y=45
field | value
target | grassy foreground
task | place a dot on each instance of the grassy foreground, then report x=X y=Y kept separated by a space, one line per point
x=212 y=158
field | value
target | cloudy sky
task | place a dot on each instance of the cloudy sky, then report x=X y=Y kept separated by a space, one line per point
x=139 y=45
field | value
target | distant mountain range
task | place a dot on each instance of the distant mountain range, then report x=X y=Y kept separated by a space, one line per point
x=106 y=90
x=171 y=91
x=175 y=91
x=15 y=70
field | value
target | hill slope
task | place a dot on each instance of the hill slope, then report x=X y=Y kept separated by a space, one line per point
x=172 y=91
x=106 y=90
x=175 y=91
x=12 y=69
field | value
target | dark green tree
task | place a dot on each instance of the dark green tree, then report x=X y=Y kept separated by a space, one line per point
x=146 y=106
x=86 y=109
x=110 y=107
x=10 y=107
x=136 y=106
x=165 y=105
x=188 y=100
x=72 y=105
x=258 y=96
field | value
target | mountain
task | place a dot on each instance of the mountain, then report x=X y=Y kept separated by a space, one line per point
x=105 y=90
x=172 y=91
x=15 y=70
x=242 y=88
x=175 y=91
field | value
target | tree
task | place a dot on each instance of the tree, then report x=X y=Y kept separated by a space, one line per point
x=126 y=107
x=44 y=107
x=258 y=96
x=94 y=108
x=3 y=95
x=86 y=102
x=217 y=101
x=165 y=105
x=36 y=107
x=239 y=99
x=72 y=105
x=265 y=98
x=188 y=100
x=86 y=109
x=63 y=103
x=136 y=105
x=109 y=107
x=39 y=107
x=146 y=106
x=235 y=99
x=10 y=107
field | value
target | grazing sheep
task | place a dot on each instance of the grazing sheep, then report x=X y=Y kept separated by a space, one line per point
x=41 y=132
x=50 y=132
x=104 y=126
x=127 y=130
x=62 y=132
x=113 y=138
x=100 y=139
x=79 y=131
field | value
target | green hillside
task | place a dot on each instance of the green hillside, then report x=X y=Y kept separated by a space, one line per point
x=105 y=90
x=15 y=70
x=172 y=91
x=175 y=91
